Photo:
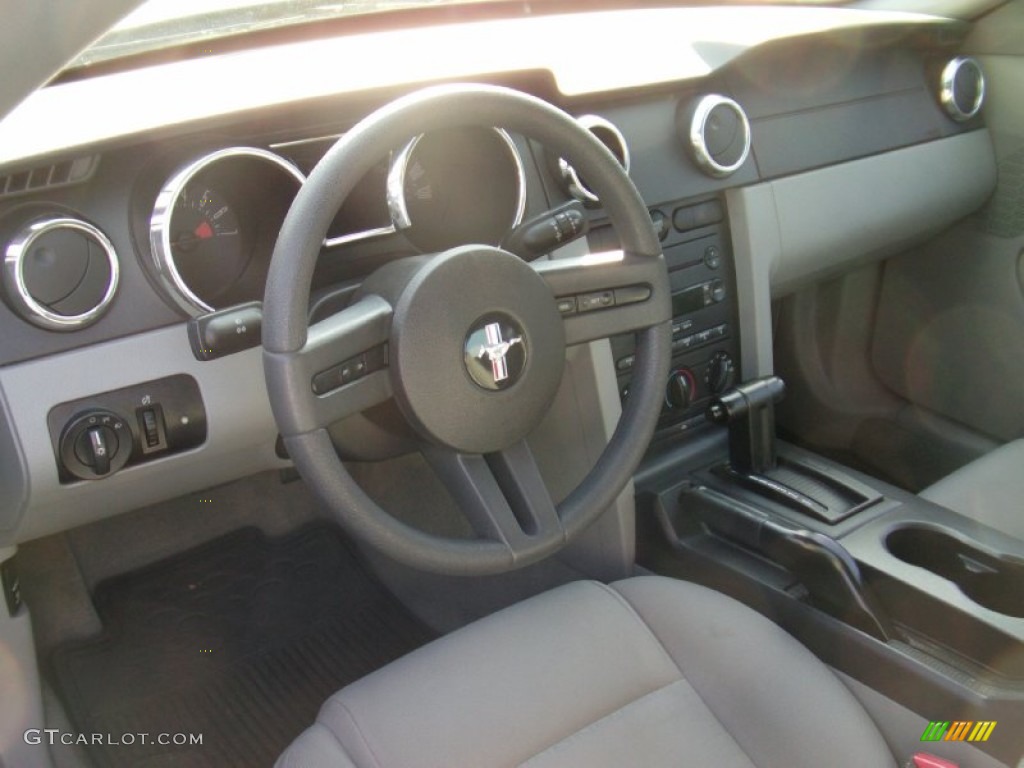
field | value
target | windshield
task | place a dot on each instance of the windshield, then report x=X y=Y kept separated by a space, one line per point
x=164 y=23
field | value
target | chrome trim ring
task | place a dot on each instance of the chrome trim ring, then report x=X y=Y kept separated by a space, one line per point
x=698 y=143
x=160 y=222
x=358 y=237
x=572 y=180
x=397 y=205
x=14 y=275
x=947 y=88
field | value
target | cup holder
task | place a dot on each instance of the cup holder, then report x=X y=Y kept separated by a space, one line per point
x=993 y=581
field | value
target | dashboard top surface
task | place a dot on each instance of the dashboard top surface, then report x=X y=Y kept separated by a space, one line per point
x=632 y=49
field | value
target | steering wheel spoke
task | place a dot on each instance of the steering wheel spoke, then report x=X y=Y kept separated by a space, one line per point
x=605 y=295
x=343 y=365
x=502 y=495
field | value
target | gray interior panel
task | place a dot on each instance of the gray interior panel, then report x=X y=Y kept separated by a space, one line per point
x=240 y=440
x=949 y=330
x=871 y=208
x=757 y=247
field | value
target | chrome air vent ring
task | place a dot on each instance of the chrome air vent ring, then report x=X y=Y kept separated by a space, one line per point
x=962 y=88
x=60 y=273
x=718 y=135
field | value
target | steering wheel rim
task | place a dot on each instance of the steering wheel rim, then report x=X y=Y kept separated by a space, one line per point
x=294 y=352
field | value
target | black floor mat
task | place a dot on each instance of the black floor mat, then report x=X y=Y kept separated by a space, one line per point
x=240 y=640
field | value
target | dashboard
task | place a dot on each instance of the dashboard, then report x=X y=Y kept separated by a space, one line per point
x=765 y=162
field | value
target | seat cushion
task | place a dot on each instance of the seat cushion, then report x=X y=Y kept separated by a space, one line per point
x=645 y=672
x=988 y=490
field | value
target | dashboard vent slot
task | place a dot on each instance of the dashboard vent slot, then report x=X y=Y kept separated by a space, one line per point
x=60 y=174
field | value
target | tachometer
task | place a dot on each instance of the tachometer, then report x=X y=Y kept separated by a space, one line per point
x=456 y=187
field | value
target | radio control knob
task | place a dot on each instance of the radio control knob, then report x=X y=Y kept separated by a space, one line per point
x=721 y=373
x=680 y=390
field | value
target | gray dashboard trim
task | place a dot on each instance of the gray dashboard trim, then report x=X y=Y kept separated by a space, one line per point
x=756 y=246
x=240 y=439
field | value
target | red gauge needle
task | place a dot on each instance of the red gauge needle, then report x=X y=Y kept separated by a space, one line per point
x=204 y=231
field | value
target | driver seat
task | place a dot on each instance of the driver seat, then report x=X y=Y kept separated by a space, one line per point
x=649 y=671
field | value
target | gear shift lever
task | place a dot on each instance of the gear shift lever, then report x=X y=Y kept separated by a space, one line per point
x=749 y=411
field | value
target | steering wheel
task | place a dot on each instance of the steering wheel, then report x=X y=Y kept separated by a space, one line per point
x=470 y=343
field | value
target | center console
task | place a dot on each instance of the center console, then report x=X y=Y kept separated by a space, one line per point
x=705 y=323
x=912 y=599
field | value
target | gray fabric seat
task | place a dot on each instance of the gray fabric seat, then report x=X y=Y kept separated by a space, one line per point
x=987 y=490
x=647 y=672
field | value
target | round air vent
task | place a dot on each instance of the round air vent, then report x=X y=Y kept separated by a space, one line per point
x=60 y=273
x=608 y=134
x=718 y=135
x=962 y=88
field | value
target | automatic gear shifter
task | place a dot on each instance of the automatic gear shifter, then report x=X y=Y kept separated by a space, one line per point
x=749 y=411
x=802 y=483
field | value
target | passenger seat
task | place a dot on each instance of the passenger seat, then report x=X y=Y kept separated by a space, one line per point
x=989 y=490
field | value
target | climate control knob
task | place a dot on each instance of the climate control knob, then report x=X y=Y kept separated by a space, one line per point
x=680 y=390
x=95 y=444
x=721 y=373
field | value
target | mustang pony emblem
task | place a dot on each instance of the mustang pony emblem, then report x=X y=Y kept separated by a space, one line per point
x=496 y=349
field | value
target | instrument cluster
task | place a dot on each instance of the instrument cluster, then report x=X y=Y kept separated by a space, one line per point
x=216 y=219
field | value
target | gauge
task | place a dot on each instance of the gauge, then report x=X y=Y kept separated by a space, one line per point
x=457 y=187
x=214 y=226
x=203 y=226
x=206 y=239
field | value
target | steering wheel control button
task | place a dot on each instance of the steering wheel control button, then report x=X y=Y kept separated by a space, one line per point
x=660 y=223
x=632 y=294
x=496 y=352
x=95 y=444
x=225 y=332
x=588 y=302
x=350 y=370
x=567 y=305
